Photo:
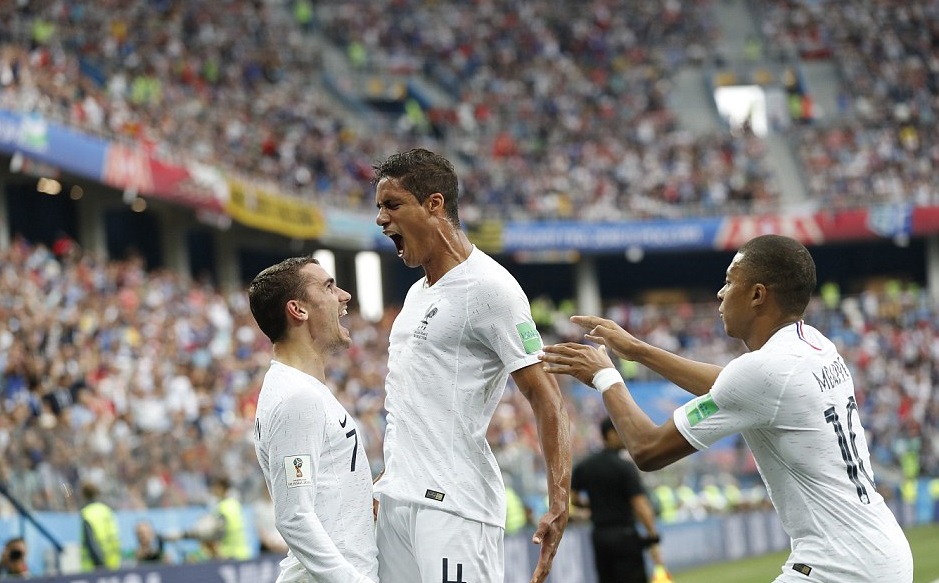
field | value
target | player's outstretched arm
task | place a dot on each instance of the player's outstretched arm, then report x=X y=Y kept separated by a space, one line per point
x=695 y=377
x=542 y=392
x=651 y=446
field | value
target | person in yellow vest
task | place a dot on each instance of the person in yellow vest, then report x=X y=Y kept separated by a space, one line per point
x=221 y=532
x=100 y=541
x=666 y=502
x=231 y=540
x=516 y=516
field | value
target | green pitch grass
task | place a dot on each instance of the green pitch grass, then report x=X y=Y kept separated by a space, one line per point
x=923 y=539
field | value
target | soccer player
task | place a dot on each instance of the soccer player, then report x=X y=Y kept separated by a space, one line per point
x=306 y=442
x=463 y=329
x=791 y=397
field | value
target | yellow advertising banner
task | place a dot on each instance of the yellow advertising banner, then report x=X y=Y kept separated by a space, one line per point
x=266 y=209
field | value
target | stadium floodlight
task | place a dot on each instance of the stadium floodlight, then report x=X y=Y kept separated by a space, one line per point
x=327 y=260
x=16 y=162
x=369 y=285
x=49 y=186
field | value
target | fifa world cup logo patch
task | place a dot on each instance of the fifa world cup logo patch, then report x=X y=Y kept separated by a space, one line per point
x=293 y=470
x=421 y=331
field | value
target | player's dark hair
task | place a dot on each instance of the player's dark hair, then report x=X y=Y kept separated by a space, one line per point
x=784 y=266
x=270 y=291
x=422 y=173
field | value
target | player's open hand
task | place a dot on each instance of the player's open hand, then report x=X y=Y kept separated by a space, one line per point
x=578 y=360
x=548 y=535
x=610 y=334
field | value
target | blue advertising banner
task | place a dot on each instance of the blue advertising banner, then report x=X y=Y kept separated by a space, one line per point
x=261 y=570
x=593 y=237
x=52 y=143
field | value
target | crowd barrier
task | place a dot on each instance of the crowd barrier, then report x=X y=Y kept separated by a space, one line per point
x=684 y=545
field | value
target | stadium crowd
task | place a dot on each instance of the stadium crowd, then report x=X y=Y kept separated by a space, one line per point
x=553 y=116
x=146 y=383
x=882 y=145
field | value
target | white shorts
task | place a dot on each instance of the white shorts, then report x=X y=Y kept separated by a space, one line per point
x=418 y=544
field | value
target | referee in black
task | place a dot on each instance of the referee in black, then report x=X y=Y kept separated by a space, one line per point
x=608 y=483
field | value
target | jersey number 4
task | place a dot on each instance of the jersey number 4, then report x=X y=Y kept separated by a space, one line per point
x=848 y=445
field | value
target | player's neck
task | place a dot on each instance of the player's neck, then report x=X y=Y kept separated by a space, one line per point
x=757 y=340
x=452 y=249
x=305 y=361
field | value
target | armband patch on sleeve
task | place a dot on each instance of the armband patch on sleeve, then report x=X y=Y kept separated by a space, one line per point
x=531 y=339
x=700 y=409
x=298 y=470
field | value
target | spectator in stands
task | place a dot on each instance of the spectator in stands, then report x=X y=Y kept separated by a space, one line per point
x=165 y=90
x=149 y=547
x=13 y=562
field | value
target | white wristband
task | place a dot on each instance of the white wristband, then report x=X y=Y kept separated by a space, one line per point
x=606 y=378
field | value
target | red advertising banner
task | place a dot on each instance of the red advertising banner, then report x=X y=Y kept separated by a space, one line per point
x=134 y=168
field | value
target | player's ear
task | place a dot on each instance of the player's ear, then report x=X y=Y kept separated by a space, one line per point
x=435 y=202
x=759 y=294
x=296 y=310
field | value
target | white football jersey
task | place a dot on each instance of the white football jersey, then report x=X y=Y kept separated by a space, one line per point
x=314 y=463
x=793 y=401
x=451 y=350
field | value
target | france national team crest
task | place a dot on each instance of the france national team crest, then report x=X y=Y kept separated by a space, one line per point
x=298 y=471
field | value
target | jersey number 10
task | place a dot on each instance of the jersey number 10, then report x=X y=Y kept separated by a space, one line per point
x=848 y=444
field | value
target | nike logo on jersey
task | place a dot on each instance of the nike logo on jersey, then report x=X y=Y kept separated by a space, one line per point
x=345 y=419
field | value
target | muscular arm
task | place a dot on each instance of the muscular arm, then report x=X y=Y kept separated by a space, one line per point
x=695 y=377
x=651 y=446
x=543 y=394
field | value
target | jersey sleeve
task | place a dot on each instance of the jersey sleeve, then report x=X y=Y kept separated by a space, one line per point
x=297 y=437
x=743 y=397
x=501 y=317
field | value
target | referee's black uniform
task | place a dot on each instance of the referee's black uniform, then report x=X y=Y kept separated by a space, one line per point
x=611 y=481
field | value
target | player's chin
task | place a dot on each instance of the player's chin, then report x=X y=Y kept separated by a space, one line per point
x=409 y=261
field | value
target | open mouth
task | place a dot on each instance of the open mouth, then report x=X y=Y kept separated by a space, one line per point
x=398 y=240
